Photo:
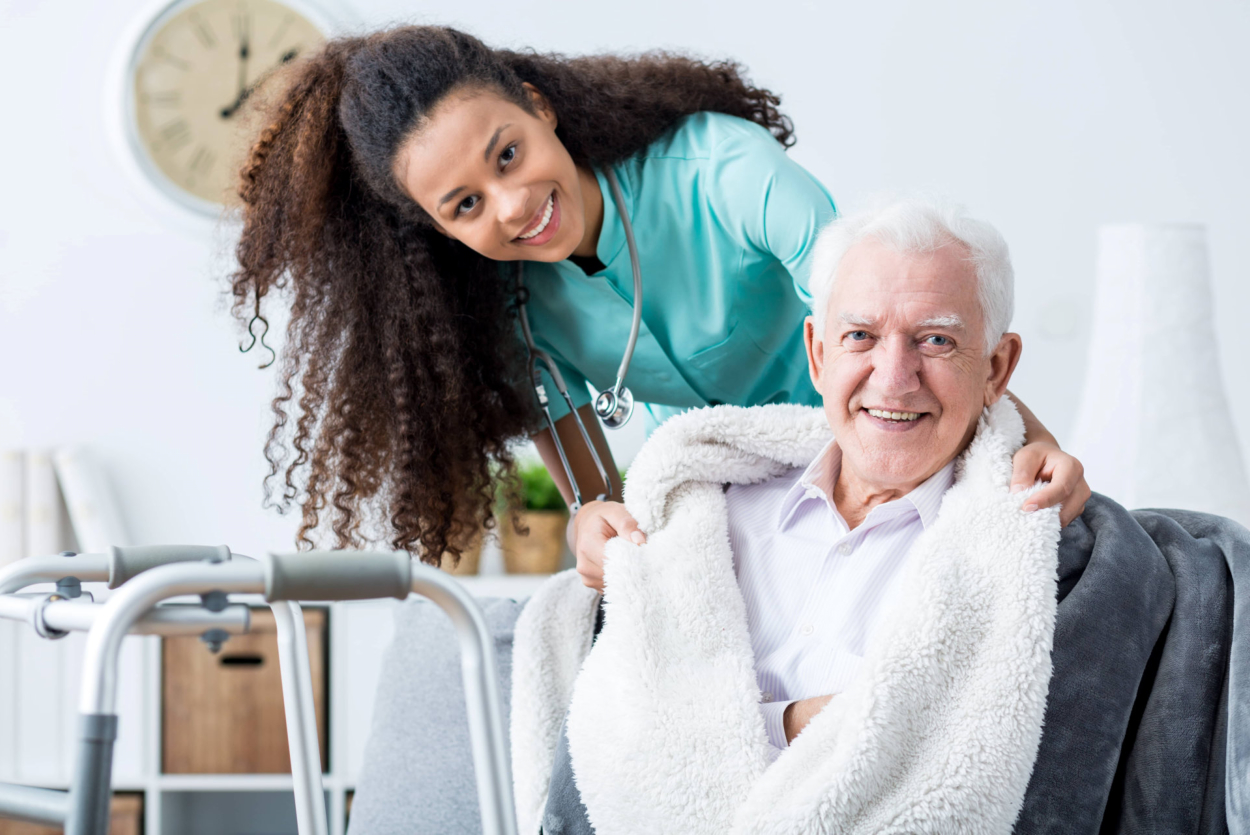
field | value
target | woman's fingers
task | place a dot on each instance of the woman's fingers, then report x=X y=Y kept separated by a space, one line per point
x=622 y=524
x=596 y=523
x=1065 y=474
x=1075 y=504
x=1026 y=467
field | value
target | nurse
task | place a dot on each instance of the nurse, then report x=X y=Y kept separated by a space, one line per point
x=401 y=177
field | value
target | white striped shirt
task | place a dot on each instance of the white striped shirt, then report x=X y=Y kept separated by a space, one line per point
x=815 y=589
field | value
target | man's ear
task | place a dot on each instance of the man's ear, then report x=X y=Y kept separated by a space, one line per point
x=541 y=106
x=1002 y=365
x=815 y=350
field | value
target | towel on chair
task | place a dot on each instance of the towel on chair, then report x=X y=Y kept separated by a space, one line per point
x=938 y=733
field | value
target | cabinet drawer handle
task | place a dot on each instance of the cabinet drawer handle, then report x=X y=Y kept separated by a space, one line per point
x=242 y=660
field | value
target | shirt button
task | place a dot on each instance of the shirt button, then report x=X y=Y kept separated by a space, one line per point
x=766 y=697
x=845 y=549
x=806 y=629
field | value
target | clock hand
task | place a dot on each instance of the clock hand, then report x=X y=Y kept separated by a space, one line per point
x=230 y=109
x=243 y=53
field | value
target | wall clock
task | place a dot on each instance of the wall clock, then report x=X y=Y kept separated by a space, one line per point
x=194 y=71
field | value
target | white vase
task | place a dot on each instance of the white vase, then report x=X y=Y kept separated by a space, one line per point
x=1154 y=428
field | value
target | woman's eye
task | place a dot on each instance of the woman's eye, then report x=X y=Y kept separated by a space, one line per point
x=467 y=204
x=507 y=155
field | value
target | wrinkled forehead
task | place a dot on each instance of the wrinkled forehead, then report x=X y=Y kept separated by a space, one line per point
x=876 y=283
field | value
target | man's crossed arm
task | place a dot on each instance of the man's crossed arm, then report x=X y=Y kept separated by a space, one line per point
x=799 y=713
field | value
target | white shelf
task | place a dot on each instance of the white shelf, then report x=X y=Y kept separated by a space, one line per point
x=224 y=782
x=515 y=586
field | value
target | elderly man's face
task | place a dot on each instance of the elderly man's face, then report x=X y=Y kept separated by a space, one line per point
x=902 y=364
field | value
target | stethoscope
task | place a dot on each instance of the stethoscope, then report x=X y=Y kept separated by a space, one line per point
x=614 y=405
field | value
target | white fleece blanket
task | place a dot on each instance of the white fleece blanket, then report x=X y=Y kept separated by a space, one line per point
x=938 y=732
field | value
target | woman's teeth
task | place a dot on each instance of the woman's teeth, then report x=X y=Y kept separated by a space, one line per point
x=894 y=415
x=542 y=224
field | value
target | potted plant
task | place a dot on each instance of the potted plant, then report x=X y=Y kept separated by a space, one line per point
x=539 y=546
x=470 y=557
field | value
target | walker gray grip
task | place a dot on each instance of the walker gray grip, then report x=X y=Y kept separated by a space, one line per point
x=337 y=575
x=126 y=562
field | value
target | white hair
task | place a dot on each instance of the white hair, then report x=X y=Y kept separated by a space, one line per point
x=917 y=226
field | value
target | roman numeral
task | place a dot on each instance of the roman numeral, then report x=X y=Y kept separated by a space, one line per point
x=243 y=25
x=174 y=135
x=281 y=30
x=161 y=54
x=165 y=98
x=202 y=30
x=201 y=161
x=199 y=164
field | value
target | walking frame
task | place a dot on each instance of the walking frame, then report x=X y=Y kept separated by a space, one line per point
x=146 y=576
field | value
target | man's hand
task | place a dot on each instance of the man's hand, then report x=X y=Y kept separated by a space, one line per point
x=589 y=532
x=799 y=713
x=1045 y=461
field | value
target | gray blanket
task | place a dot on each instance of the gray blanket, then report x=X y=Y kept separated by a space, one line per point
x=1148 y=714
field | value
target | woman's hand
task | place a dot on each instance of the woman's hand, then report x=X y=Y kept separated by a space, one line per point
x=1041 y=459
x=590 y=530
x=1045 y=461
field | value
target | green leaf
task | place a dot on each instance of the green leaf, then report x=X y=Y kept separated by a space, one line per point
x=538 y=489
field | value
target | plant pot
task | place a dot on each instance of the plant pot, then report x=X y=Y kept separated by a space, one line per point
x=539 y=551
x=469 y=558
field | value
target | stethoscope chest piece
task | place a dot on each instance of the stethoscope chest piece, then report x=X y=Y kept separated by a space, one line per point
x=614 y=406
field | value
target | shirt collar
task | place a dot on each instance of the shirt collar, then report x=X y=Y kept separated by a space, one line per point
x=821 y=475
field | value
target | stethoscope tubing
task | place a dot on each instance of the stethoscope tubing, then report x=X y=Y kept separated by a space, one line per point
x=536 y=355
x=618 y=391
x=636 y=325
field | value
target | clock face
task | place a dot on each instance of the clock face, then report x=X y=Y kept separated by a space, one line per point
x=195 y=74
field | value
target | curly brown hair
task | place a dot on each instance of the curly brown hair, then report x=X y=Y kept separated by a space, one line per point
x=402 y=376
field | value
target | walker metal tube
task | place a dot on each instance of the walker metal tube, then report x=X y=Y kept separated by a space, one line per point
x=131 y=601
x=18 y=575
x=89 y=794
x=80 y=616
x=91 y=789
x=360 y=575
x=301 y=719
x=26 y=803
x=481 y=690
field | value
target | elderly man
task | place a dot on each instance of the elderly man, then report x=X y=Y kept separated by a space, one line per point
x=844 y=620
x=907 y=345
x=864 y=632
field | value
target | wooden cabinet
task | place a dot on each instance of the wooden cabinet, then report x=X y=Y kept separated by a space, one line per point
x=223 y=713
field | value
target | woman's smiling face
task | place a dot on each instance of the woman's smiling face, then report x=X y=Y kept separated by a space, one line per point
x=495 y=177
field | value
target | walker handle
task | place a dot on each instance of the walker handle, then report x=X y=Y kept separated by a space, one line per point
x=337 y=575
x=126 y=562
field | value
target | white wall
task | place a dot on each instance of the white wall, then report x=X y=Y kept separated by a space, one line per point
x=1047 y=118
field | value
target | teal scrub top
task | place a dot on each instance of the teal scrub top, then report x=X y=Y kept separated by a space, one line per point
x=725 y=224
